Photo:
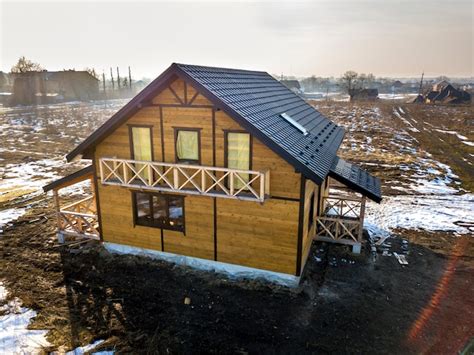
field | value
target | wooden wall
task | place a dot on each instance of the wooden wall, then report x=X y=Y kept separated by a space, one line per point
x=247 y=233
x=308 y=230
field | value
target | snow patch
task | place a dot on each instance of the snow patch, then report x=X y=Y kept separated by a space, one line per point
x=88 y=348
x=9 y=215
x=15 y=337
x=461 y=137
x=432 y=213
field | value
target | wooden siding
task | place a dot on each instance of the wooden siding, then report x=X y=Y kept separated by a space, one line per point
x=248 y=233
x=311 y=191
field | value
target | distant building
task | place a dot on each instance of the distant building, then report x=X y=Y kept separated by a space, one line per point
x=5 y=82
x=445 y=93
x=364 y=94
x=397 y=84
x=47 y=87
x=440 y=85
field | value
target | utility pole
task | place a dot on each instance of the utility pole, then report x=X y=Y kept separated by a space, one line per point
x=112 y=78
x=118 y=78
x=129 y=78
x=103 y=86
x=421 y=83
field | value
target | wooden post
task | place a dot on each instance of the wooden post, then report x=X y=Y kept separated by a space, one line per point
x=57 y=207
x=361 y=219
x=267 y=183
x=203 y=181
x=175 y=178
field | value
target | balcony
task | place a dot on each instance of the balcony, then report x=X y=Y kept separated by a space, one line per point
x=341 y=221
x=186 y=179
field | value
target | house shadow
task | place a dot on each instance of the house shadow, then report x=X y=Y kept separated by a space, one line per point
x=344 y=304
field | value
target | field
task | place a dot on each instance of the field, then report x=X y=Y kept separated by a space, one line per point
x=75 y=296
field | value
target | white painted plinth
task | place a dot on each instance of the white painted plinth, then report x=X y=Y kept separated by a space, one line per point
x=231 y=270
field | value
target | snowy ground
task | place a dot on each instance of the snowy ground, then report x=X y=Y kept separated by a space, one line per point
x=15 y=337
x=420 y=191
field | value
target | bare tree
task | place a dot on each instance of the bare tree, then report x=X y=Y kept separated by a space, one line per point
x=25 y=65
x=92 y=72
x=349 y=81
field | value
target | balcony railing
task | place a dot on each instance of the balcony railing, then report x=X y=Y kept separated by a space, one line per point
x=79 y=219
x=342 y=220
x=186 y=179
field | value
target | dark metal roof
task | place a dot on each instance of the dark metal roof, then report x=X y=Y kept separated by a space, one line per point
x=356 y=178
x=64 y=181
x=256 y=100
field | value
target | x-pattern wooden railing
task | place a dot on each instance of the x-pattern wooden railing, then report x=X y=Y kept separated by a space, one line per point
x=79 y=219
x=187 y=179
x=342 y=220
x=342 y=206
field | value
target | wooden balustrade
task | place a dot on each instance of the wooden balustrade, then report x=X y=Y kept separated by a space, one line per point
x=79 y=219
x=342 y=220
x=187 y=179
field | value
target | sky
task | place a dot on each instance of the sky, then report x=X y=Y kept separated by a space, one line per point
x=392 y=38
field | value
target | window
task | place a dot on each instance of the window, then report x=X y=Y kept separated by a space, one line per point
x=311 y=212
x=187 y=145
x=158 y=210
x=238 y=155
x=141 y=146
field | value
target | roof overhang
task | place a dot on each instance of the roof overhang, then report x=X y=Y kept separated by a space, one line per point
x=356 y=179
x=74 y=178
x=85 y=149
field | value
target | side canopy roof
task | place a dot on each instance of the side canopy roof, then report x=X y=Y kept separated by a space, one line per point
x=278 y=117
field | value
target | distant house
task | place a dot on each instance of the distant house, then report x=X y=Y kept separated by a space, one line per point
x=293 y=85
x=440 y=85
x=364 y=94
x=5 y=82
x=46 y=87
x=445 y=93
x=397 y=84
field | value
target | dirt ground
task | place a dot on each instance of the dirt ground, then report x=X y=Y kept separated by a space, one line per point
x=345 y=304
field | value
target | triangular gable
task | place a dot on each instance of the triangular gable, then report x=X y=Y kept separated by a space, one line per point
x=255 y=101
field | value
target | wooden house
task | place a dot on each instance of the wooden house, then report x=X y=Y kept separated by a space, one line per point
x=364 y=94
x=222 y=169
x=53 y=86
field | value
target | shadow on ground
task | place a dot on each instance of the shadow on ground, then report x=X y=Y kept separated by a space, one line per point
x=344 y=304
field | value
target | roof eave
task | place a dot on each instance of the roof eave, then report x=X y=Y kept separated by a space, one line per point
x=355 y=187
x=129 y=109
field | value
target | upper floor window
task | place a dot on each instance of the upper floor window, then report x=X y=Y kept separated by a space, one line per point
x=141 y=147
x=141 y=143
x=188 y=144
x=159 y=210
x=237 y=147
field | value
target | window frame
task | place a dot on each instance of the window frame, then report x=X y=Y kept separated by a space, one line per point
x=167 y=197
x=187 y=161
x=226 y=150
x=130 y=137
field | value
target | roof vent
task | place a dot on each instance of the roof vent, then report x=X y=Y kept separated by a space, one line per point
x=295 y=124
